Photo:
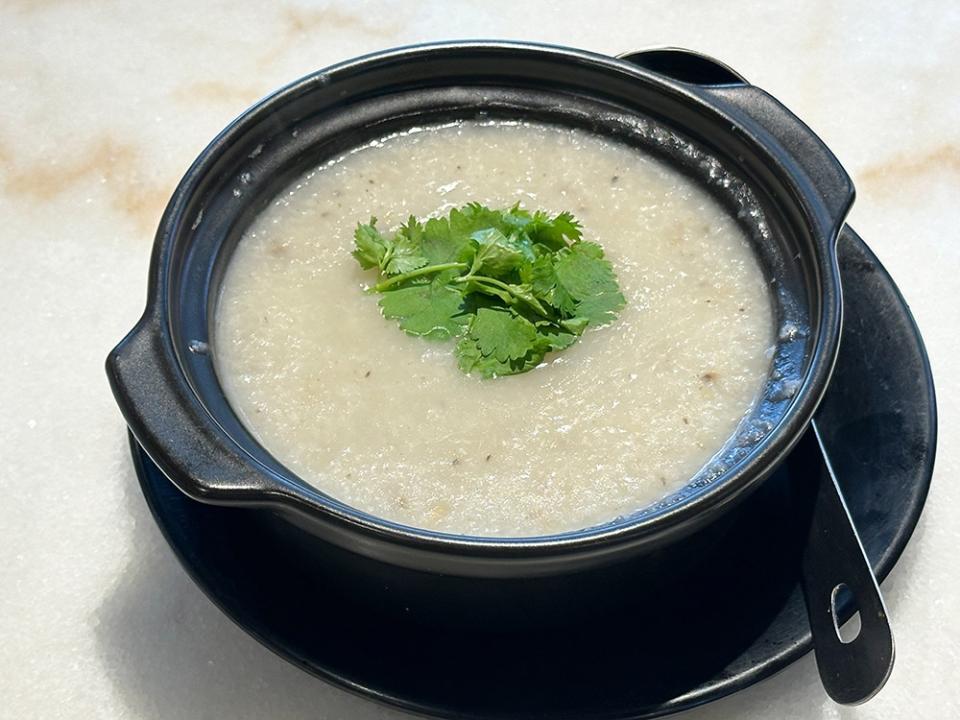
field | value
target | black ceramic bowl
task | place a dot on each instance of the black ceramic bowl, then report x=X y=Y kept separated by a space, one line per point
x=786 y=188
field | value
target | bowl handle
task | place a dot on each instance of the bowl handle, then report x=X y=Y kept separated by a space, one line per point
x=764 y=117
x=833 y=563
x=142 y=372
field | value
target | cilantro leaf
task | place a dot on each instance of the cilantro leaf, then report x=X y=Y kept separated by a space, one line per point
x=499 y=342
x=393 y=255
x=583 y=274
x=587 y=277
x=547 y=286
x=473 y=217
x=566 y=224
x=576 y=325
x=498 y=255
x=601 y=309
x=510 y=284
x=470 y=360
x=441 y=244
x=431 y=310
x=404 y=252
x=502 y=334
x=557 y=339
x=371 y=245
x=553 y=233
x=523 y=293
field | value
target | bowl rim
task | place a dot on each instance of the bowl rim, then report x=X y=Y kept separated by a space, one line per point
x=303 y=500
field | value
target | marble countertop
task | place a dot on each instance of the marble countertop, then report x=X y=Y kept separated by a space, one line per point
x=102 y=107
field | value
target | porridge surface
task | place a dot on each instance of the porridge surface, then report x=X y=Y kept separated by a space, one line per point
x=387 y=423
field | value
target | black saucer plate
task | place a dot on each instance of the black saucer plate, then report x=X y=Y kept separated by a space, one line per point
x=740 y=621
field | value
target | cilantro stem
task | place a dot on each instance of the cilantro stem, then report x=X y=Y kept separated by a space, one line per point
x=390 y=282
x=486 y=280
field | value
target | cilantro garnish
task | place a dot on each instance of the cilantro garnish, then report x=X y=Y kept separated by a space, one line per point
x=510 y=285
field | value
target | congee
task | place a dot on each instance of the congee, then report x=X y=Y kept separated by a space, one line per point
x=391 y=424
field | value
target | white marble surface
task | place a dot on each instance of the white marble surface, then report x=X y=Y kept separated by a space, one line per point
x=102 y=107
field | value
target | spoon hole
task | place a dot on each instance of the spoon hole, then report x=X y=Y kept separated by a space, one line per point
x=842 y=597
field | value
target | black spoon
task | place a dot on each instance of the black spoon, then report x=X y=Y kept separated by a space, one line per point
x=833 y=565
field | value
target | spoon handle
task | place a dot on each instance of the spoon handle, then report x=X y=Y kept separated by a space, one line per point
x=835 y=567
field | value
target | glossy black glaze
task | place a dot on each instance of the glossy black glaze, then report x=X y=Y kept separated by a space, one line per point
x=738 y=621
x=163 y=375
